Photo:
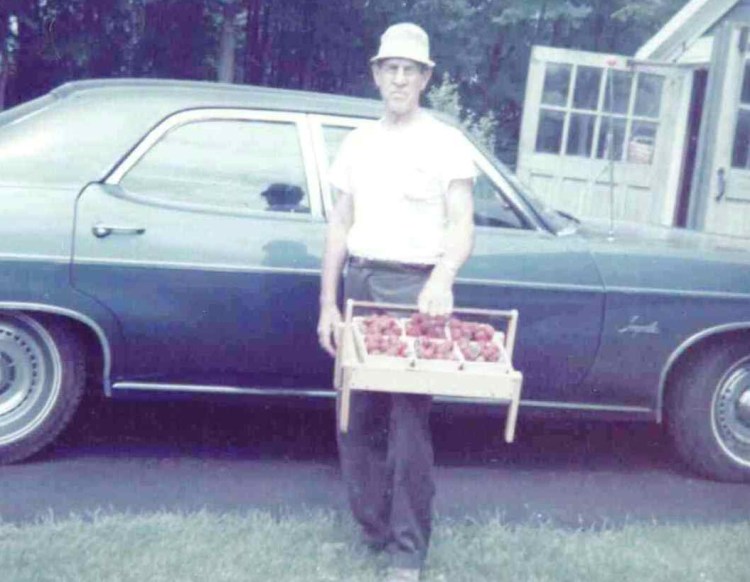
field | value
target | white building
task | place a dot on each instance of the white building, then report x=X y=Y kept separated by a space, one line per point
x=662 y=137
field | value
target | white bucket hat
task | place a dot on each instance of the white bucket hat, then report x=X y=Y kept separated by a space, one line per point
x=405 y=41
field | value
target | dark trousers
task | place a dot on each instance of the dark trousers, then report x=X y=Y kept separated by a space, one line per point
x=386 y=455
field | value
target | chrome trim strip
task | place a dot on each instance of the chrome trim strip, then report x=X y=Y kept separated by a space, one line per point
x=465 y=280
x=86 y=320
x=551 y=404
x=316 y=272
x=198 y=389
x=533 y=285
x=64 y=259
x=678 y=293
x=682 y=348
x=196 y=266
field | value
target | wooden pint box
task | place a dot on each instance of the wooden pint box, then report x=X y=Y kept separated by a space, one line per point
x=455 y=376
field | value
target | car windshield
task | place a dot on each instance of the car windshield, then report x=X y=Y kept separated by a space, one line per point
x=557 y=221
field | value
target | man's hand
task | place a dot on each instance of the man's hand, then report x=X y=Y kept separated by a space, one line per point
x=436 y=297
x=328 y=327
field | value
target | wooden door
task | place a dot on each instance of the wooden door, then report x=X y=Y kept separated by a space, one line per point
x=722 y=193
x=603 y=137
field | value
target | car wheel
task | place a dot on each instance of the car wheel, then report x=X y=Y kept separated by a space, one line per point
x=708 y=414
x=42 y=378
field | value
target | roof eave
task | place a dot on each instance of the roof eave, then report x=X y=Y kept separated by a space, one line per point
x=687 y=25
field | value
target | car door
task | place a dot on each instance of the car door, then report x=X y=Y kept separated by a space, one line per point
x=206 y=244
x=550 y=278
x=516 y=264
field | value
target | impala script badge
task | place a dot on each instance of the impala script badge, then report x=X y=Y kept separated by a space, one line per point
x=635 y=326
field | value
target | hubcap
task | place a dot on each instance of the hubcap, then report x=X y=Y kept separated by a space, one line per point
x=7 y=372
x=29 y=376
x=743 y=407
x=731 y=412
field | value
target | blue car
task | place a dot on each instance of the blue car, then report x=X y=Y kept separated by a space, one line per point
x=166 y=236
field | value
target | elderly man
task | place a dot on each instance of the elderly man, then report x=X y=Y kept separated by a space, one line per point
x=404 y=218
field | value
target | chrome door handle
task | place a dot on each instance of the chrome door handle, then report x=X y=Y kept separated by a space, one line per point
x=721 y=179
x=102 y=230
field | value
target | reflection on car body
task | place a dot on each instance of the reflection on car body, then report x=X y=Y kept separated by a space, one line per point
x=182 y=229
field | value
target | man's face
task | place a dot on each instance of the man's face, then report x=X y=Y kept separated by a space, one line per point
x=401 y=82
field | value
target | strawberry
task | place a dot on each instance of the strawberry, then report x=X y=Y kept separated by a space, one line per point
x=412 y=330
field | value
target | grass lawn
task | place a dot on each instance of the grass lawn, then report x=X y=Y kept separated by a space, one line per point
x=319 y=546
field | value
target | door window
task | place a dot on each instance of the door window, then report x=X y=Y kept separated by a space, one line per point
x=491 y=208
x=334 y=136
x=595 y=112
x=741 y=148
x=230 y=164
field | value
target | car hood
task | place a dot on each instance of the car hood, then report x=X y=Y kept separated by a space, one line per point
x=662 y=237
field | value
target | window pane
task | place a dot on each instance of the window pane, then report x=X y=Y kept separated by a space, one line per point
x=618 y=138
x=617 y=92
x=746 y=84
x=556 y=84
x=642 y=142
x=249 y=165
x=580 y=135
x=334 y=137
x=549 y=134
x=491 y=208
x=587 y=88
x=741 y=151
x=648 y=95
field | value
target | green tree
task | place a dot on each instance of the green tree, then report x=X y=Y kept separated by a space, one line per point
x=483 y=46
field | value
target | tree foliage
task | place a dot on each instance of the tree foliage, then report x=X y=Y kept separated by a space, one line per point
x=483 y=46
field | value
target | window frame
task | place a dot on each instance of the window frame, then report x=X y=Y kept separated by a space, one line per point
x=317 y=125
x=568 y=110
x=742 y=107
x=201 y=115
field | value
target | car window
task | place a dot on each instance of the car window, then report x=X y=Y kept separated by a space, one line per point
x=239 y=164
x=491 y=208
x=334 y=136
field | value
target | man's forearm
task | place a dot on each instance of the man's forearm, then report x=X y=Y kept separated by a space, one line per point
x=459 y=241
x=333 y=263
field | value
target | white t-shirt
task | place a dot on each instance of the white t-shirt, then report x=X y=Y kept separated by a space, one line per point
x=399 y=179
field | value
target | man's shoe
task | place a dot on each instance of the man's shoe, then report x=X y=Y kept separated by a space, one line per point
x=402 y=575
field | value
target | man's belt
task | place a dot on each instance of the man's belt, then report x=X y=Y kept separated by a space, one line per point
x=389 y=265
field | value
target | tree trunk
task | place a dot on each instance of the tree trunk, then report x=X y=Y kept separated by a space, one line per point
x=4 y=56
x=4 y=74
x=252 y=60
x=227 y=45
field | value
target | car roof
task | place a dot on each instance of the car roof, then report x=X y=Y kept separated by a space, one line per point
x=188 y=94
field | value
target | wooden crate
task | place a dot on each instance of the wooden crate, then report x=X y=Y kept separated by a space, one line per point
x=355 y=369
